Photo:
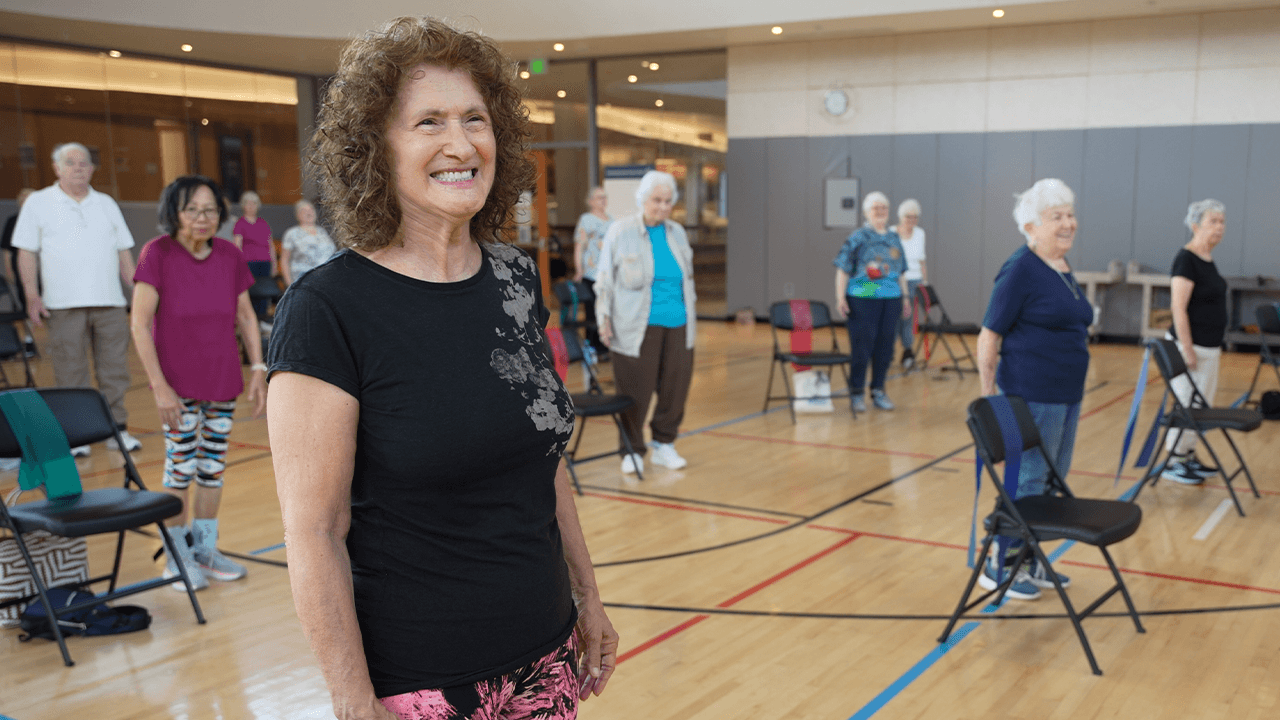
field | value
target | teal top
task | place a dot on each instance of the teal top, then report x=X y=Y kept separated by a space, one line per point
x=666 y=305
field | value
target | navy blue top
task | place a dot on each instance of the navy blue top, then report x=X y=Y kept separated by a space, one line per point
x=1044 y=318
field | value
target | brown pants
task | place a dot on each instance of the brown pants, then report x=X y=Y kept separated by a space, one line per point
x=73 y=333
x=664 y=365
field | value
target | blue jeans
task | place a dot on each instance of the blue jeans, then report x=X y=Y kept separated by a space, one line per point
x=872 y=323
x=906 y=333
x=1057 y=425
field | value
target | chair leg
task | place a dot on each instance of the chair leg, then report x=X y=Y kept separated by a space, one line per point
x=1243 y=465
x=568 y=463
x=1071 y=611
x=786 y=384
x=768 y=391
x=115 y=567
x=626 y=445
x=968 y=589
x=1252 y=383
x=43 y=592
x=170 y=548
x=1222 y=470
x=1124 y=590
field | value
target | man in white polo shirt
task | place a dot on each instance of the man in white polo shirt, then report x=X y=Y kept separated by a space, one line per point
x=80 y=242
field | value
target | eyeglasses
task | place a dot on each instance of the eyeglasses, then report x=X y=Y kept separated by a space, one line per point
x=199 y=213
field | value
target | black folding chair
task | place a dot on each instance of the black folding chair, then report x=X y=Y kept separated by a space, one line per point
x=1268 y=324
x=85 y=418
x=572 y=297
x=1196 y=416
x=594 y=403
x=781 y=318
x=1057 y=515
x=11 y=347
x=266 y=289
x=938 y=323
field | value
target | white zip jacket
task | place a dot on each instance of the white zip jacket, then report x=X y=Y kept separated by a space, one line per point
x=624 y=282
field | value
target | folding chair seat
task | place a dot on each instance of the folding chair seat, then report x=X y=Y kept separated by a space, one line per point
x=998 y=424
x=268 y=289
x=790 y=315
x=567 y=348
x=70 y=511
x=1199 y=418
x=938 y=323
x=1268 y=324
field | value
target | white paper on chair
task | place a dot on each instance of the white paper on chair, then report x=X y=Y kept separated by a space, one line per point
x=812 y=392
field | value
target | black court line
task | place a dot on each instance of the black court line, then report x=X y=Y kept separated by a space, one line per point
x=251 y=558
x=692 y=501
x=933 y=618
x=869 y=501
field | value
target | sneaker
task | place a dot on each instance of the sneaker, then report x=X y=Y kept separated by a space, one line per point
x=665 y=454
x=858 y=403
x=880 y=400
x=1199 y=468
x=80 y=451
x=1021 y=589
x=1039 y=575
x=182 y=538
x=217 y=566
x=131 y=443
x=908 y=360
x=632 y=464
x=1180 y=473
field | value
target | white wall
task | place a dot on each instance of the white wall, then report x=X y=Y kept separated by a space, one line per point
x=1198 y=69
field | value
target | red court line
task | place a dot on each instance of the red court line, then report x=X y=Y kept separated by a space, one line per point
x=734 y=600
x=674 y=506
x=828 y=446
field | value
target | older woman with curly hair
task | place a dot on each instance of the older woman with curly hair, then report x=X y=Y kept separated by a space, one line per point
x=416 y=418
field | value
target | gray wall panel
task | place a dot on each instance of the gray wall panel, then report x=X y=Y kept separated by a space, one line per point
x=1104 y=200
x=785 y=217
x=872 y=162
x=1163 y=189
x=1060 y=154
x=1009 y=166
x=746 y=173
x=956 y=258
x=1220 y=170
x=1261 y=213
x=827 y=157
x=915 y=175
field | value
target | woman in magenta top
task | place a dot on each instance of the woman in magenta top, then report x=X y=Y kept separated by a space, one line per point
x=252 y=235
x=191 y=291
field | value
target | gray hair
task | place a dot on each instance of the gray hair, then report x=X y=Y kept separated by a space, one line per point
x=303 y=203
x=874 y=198
x=651 y=181
x=60 y=152
x=1196 y=211
x=1045 y=194
x=910 y=206
x=250 y=195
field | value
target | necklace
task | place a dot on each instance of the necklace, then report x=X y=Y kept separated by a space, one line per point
x=1070 y=283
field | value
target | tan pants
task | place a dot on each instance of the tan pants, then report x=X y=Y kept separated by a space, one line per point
x=664 y=365
x=1205 y=376
x=104 y=331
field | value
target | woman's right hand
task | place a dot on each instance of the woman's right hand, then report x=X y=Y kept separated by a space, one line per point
x=371 y=709
x=843 y=305
x=169 y=405
x=606 y=333
x=1189 y=356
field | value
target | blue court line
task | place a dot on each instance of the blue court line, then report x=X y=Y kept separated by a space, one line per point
x=265 y=550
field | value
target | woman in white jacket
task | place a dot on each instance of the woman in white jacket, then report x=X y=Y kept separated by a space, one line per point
x=645 y=312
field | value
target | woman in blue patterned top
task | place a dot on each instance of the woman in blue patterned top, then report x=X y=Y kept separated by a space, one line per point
x=870 y=284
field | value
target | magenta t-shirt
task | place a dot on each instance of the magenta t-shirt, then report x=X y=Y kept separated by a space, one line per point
x=257 y=239
x=195 y=323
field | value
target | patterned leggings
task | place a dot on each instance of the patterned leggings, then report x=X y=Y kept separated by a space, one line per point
x=546 y=689
x=197 y=448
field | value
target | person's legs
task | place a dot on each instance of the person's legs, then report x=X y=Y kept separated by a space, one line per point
x=589 y=314
x=906 y=325
x=885 y=316
x=675 y=373
x=637 y=377
x=1057 y=426
x=859 y=324
x=69 y=336
x=110 y=331
x=211 y=456
x=179 y=470
x=260 y=269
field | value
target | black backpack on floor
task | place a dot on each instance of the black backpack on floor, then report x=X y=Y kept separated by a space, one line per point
x=100 y=619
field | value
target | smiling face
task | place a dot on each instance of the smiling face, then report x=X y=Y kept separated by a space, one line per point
x=198 y=218
x=442 y=147
x=306 y=214
x=1210 y=228
x=1055 y=233
x=877 y=214
x=657 y=207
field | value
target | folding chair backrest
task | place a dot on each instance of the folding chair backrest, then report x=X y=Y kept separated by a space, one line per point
x=572 y=344
x=1168 y=358
x=10 y=344
x=31 y=430
x=928 y=297
x=985 y=427
x=1268 y=318
x=781 y=319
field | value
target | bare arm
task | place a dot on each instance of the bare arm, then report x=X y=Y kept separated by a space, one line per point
x=27 y=269
x=842 y=283
x=579 y=244
x=247 y=319
x=285 y=255
x=312 y=425
x=598 y=640
x=988 y=358
x=924 y=273
x=126 y=269
x=238 y=240
x=1179 y=298
x=146 y=298
x=906 y=297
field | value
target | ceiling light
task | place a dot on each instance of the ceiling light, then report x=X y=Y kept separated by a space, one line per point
x=558 y=47
x=204 y=121
x=114 y=53
x=524 y=74
x=644 y=63
x=186 y=48
x=658 y=102
x=561 y=93
x=653 y=66
x=997 y=13
x=777 y=30
x=632 y=78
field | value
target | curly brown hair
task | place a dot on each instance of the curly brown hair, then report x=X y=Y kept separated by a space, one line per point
x=349 y=151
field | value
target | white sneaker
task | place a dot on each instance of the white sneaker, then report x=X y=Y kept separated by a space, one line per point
x=665 y=454
x=181 y=538
x=632 y=464
x=80 y=451
x=131 y=443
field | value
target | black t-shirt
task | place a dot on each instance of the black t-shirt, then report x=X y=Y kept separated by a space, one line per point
x=456 y=556
x=1207 y=308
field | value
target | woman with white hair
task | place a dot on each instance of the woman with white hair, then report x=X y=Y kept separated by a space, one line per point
x=1034 y=343
x=1198 y=299
x=252 y=235
x=912 y=236
x=870 y=285
x=305 y=246
x=645 y=313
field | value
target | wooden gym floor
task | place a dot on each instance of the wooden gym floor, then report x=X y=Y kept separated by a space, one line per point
x=791 y=571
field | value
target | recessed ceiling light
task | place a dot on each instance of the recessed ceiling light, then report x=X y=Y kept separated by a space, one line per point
x=777 y=30
x=114 y=53
x=653 y=66
x=524 y=74
x=997 y=13
x=632 y=78
x=561 y=93
x=644 y=63
x=186 y=48
x=658 y=102
x=204 y=121
x=558 y=47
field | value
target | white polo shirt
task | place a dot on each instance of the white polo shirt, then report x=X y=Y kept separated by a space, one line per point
x=79 y=244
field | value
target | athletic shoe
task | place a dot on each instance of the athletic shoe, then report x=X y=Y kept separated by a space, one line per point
x=182 y=538
x=858 y=403
x=1039 y=575
x=80 y=451
x=632 y=464
x=1199 y=468
x=908 y=360
x=880 y=400
x=131 y=443
x=1021 y=589
x=1179 y=472
x=665 y=454
x=217 y=566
